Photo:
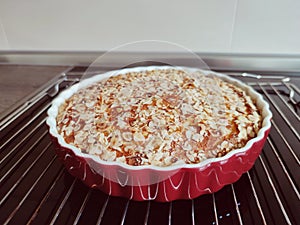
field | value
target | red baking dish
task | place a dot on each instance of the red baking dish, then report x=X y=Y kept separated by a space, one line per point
x=184 y=181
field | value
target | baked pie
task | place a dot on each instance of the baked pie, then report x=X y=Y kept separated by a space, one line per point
x=159 y=117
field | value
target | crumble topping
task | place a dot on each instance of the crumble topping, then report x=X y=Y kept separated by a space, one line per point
x=159 y=117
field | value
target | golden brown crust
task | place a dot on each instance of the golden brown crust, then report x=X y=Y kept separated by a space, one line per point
x=159 y=117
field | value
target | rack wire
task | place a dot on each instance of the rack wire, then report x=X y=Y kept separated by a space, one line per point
x=36 y=189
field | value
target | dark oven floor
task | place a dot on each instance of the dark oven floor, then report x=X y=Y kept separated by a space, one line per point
x=36 y=189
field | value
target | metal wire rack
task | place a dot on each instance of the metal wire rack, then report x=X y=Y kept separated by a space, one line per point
x=36 y=189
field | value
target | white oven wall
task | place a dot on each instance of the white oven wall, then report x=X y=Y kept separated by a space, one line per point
x=231 y=26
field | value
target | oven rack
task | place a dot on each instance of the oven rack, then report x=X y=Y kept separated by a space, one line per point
x=36 y=189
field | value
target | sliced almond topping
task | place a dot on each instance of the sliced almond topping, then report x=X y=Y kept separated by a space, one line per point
x=157 y=114
x=138 y=137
